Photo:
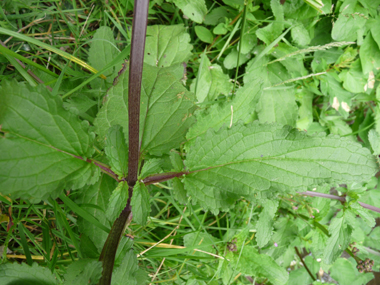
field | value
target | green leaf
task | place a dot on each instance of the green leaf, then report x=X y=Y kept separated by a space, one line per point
x=300 y=35
x=150 y=167
x=344 y=271
x=285 y=232
x=167 y=45
x=128 y=272
x=261 y=265
x=248 y=43
x=230 y=61
x=348 y=25
x=293 y=64
x=230 y=112
x=102 y=51
x=43 y=144
x=278 y=106
x=374 y=139
x=364 y=214
x=79 y=104
x=165 y=111
x=204 y=34
x=354 y=79
x=299 y=276
x=338 y=241
x=23 y=274
x=369 y=55
x=233 y=3
x=305 y=110
x=83 y=271
x=256 y=161
x=211 y=81
x=117 y=151
x=179 y=191
x=340 y=99
x=269 y=33
x=220 y=29
x=218 y=15
x=118 y=201
x=375 y=31
x=275 y=104
x=99 y=195
x=195 y=10
x=140 y=204
x=264 y=225
x=202 y=241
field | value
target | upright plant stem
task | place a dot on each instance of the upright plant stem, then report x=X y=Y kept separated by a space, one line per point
x=304 y=264
x=135 y=74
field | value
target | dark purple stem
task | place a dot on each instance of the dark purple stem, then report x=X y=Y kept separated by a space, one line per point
x=304 y=264
x=139 y=27
x=342 y=199
x=162 y=177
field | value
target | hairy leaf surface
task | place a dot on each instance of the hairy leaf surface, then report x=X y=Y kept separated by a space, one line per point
x=42 y=149
x=338 y=241
x=14 y=273
x=167 y=45
x=118 y=201
x=264 y=226
x=261 y=265
x=84 y=271
x=262 y=160
x=165 y=112
x=140 y=204
x=239 y=108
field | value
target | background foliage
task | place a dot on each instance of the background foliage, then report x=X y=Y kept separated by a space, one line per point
x=245 y=69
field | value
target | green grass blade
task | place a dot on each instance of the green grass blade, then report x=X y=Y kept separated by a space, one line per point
x=84 y=214
x=11 y=53
x=50 y=48
x=115 y=61
x=24 y=244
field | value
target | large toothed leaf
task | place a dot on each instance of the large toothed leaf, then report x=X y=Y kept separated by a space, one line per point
x=230 y=112
x=117 y=202
x=41 y=150
x=140 y=204
x=265 y=223
x=261 y=160
x=14 y=273
x=165 y=113
x=167 y=45
x=276 y=104
x=339 y=239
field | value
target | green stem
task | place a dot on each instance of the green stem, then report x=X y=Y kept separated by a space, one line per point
x=240 y=44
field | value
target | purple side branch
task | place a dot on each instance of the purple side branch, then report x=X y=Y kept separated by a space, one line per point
x=342 y=199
